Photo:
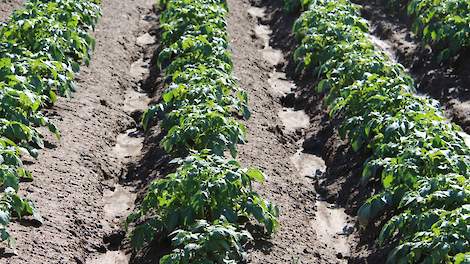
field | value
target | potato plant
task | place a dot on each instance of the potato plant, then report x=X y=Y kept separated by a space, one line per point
x=419 y=157
x=205 y=186
x=203 y=242
x=443 y=24
x=41 y=47
x=204 y=205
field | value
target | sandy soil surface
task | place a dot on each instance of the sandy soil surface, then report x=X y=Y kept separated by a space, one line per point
x=75 y=176
x=7 y=7
x=310 y=229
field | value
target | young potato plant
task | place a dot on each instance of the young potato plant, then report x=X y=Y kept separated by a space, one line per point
x=417 y=155
x=206 y=187
x=204 y=205
x=198 y=19
x=203 y=126
x=41 y=47
x=203 y=84
x=443 y=24
x=201 y=97
x=12 y=204
x=203 y=242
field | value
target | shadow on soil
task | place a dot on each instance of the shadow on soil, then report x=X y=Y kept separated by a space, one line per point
x=154 y=162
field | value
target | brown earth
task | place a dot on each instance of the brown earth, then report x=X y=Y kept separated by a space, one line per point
x=271 y=147
x=71 y=175
x=7 y=7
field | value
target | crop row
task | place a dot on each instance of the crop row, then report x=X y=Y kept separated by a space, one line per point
x=419 y=159
x=41 y=47
x=204 y=205
x=443 y=24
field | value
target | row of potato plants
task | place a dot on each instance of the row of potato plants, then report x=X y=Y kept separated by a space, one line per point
x=204 y=205
x=443 y=24
x=417 y=156
x=41 y=47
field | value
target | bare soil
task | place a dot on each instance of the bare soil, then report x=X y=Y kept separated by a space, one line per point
x=7 y=7
x=448 y=81
x=274 y=139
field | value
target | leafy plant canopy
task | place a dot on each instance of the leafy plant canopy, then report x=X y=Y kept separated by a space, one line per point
x=41 y=47
x=419 y=157
x=204 y=205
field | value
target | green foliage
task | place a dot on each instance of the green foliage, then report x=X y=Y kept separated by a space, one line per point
x=10 y=202
x=207 y=243
x=201 y=95
x=204 y=205
x=443 y=24
x=205 y=186
x=205 y=126
x=417 y=155
x=41 y=47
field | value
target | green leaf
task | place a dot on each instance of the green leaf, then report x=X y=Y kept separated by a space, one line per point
x=4 y=219
x=256 y=174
